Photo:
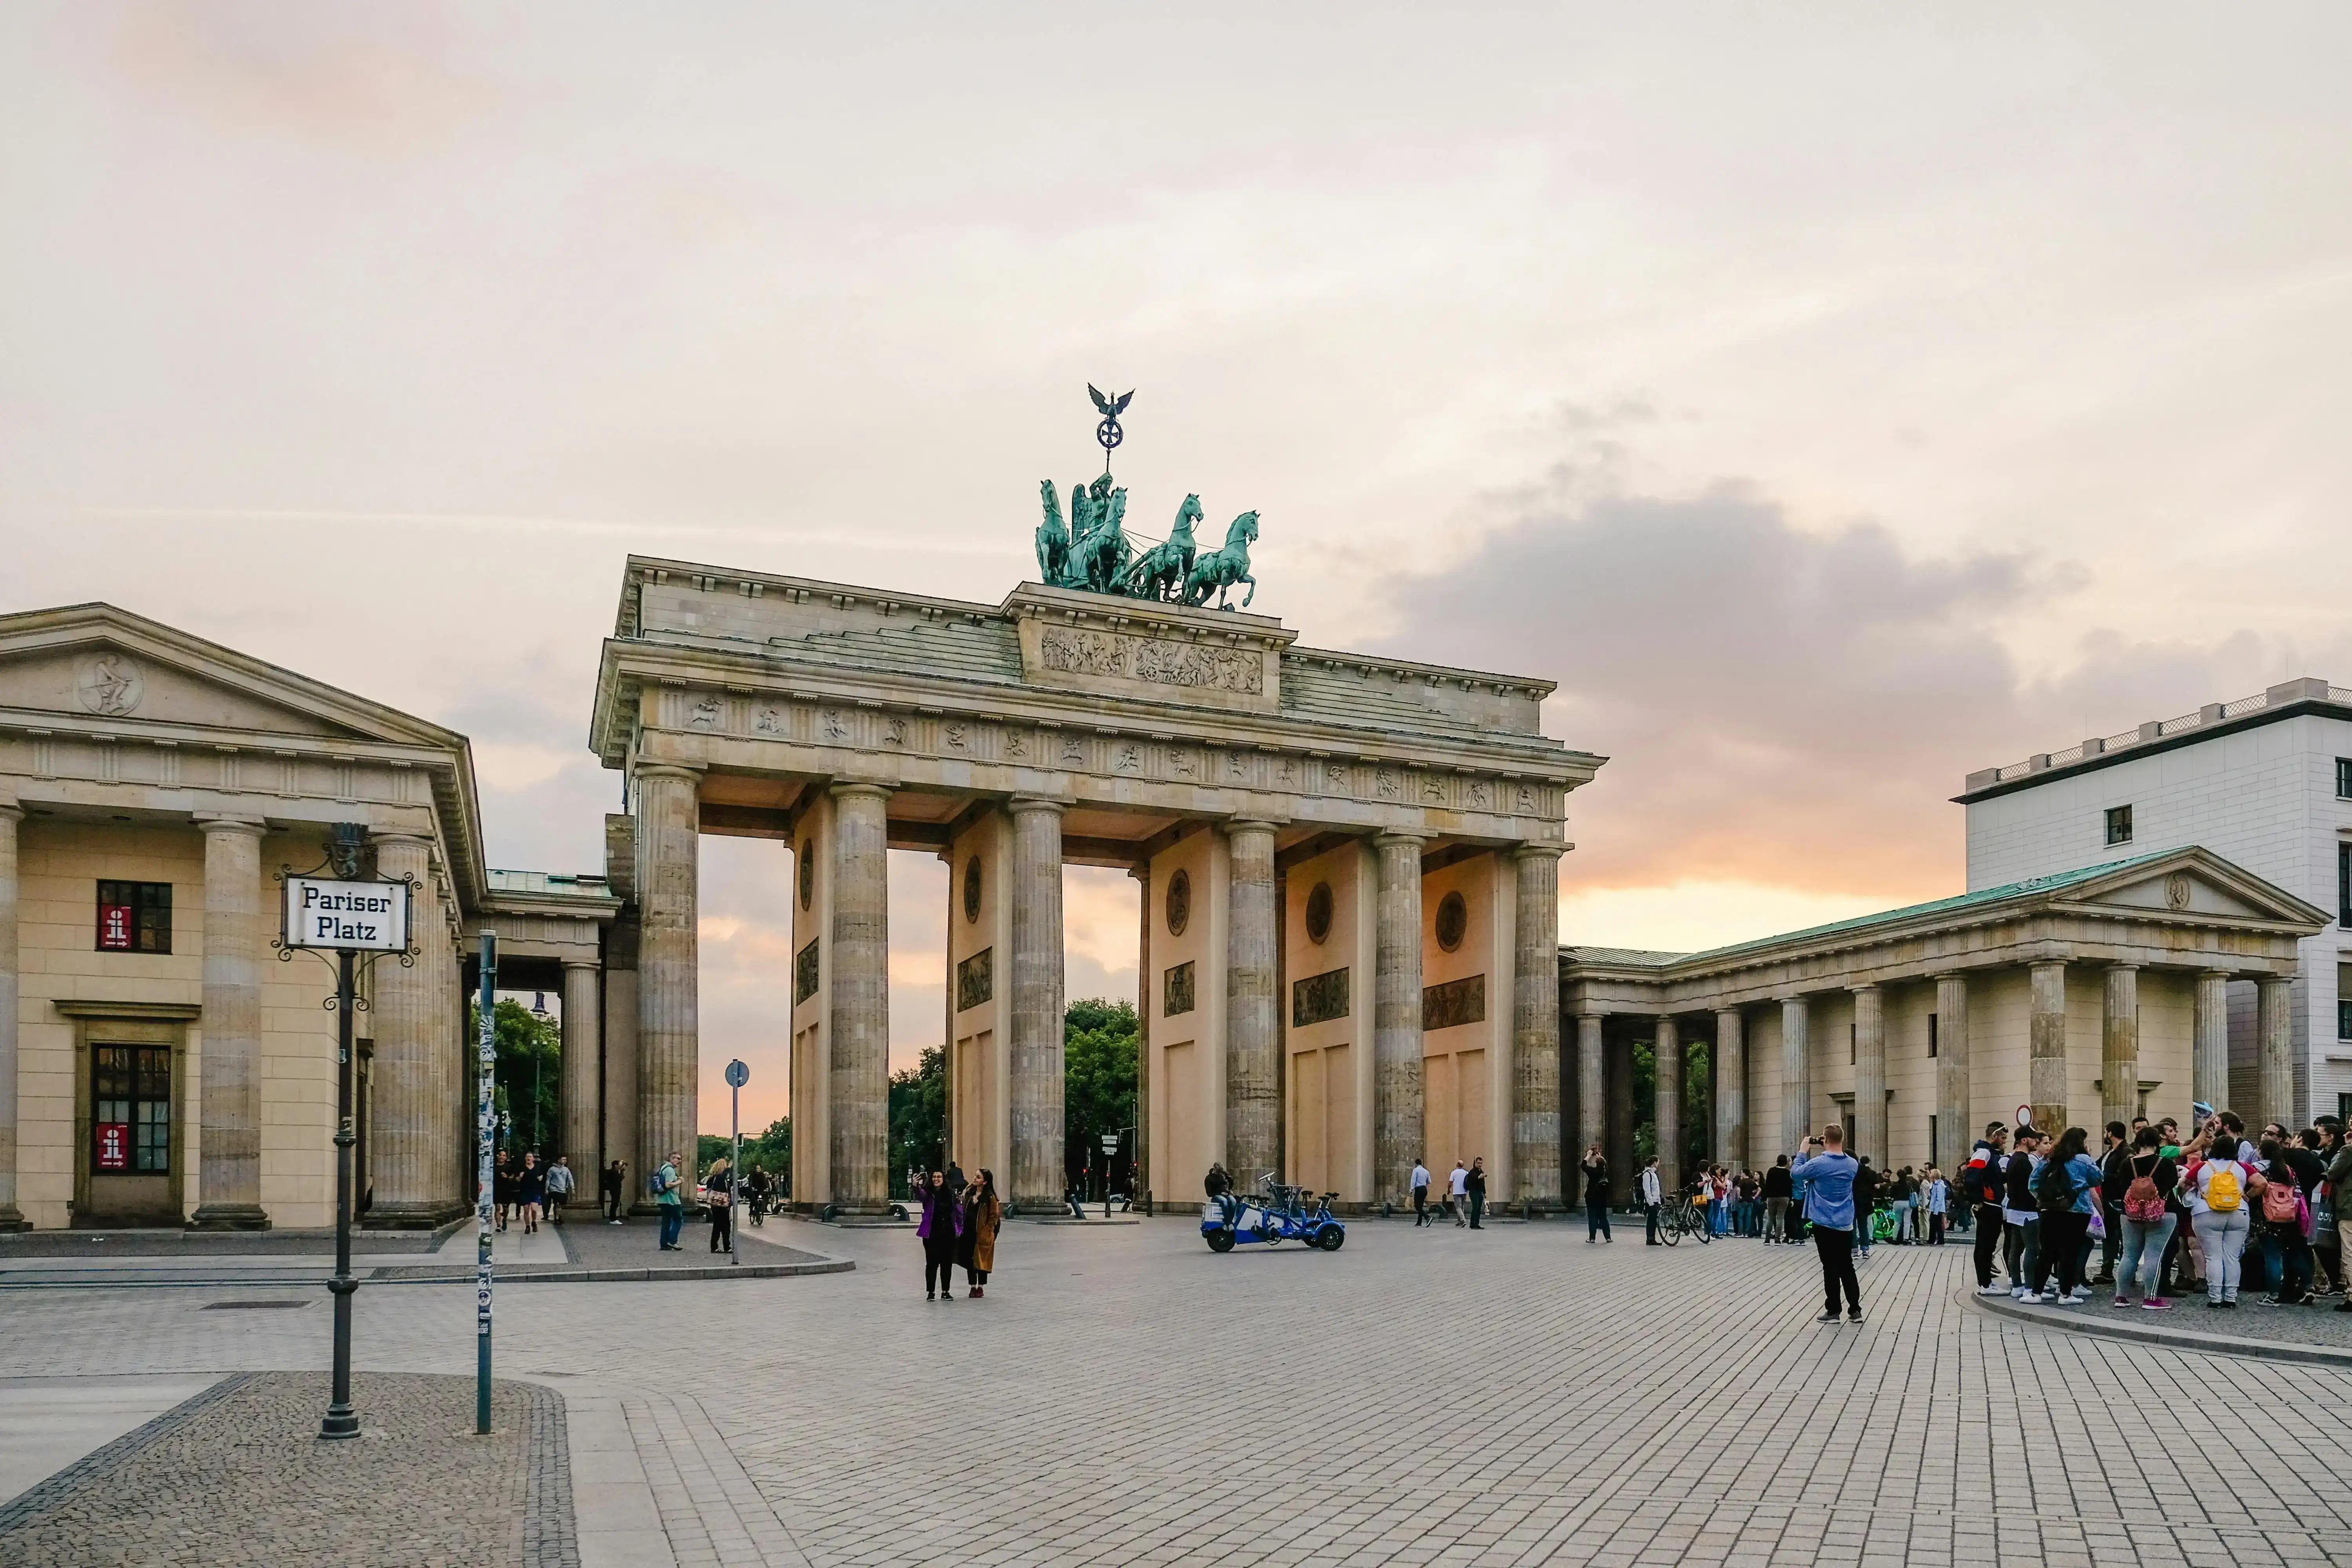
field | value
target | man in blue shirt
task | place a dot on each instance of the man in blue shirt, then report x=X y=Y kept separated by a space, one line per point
x=1827 y=1172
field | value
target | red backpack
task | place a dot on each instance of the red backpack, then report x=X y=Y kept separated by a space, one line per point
x=2142 y=1202
x=2282 y=1202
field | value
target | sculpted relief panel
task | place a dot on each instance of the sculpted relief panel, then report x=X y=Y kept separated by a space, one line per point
x=1154 y=659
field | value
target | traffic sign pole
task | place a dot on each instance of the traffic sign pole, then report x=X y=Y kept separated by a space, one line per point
x=738 y=1075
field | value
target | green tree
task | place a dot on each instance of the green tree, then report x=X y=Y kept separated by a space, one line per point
x=919 y=1118
x=1100 y=1043
x=528 y=1079
x=1697 y=1055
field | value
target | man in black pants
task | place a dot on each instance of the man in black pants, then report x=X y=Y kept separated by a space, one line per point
x=2115 y=1176
x=2021 y=1249
x=1828 y=1173
x=1984 y=1192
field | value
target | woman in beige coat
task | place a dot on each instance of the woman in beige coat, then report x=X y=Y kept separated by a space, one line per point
x=982 y=1215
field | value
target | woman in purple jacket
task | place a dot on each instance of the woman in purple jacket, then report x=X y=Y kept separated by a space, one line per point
x=942 y=1223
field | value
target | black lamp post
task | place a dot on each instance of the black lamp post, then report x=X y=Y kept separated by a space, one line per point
x=537 y=1132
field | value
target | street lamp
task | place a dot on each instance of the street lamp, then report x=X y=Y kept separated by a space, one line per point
x=538 y=1133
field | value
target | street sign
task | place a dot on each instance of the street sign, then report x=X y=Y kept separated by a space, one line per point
x=738 y=1075
x=359 y=917
x=1110 y=1142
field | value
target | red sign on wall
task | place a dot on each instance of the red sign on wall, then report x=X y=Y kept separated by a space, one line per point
x=113 y=1145
x=114 y=928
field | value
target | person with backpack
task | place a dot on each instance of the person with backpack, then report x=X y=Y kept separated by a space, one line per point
x=2218 y=1186
x=2151 y=1178
x=2115 y=1176
x=2063 y=1191
x=1981 y=1180
x=2283 y=1214
x=2020 y=1219
x=718 y=1196
x=671 y=1203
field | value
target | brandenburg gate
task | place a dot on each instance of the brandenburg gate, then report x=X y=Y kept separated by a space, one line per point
x=1349 y=869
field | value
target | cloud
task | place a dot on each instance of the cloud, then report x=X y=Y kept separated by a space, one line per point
x=1788 y=707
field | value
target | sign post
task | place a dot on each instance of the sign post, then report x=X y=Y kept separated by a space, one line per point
x=348 y=915
x=738 y=1075
x=486 y=1122
x=1110 y=1152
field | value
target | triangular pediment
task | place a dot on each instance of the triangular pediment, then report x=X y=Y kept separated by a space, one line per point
x=95 y=664
x=2191 y=883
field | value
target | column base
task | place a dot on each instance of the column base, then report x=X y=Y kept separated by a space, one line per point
x=1031 y=1206
x=411 y=1216
x=12 y=1221
x=229 y=1216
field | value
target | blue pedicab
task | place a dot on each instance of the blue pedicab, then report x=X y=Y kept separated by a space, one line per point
x=1275 y=1215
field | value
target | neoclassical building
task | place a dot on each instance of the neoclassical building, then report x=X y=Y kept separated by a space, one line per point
x=159 y=1064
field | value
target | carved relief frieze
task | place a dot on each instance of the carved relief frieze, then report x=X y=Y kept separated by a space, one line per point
x=1160 y=661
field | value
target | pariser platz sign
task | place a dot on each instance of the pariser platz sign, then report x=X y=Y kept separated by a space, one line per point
x=364 y=917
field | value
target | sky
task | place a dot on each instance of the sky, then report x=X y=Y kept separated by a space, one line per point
x=1831 y=399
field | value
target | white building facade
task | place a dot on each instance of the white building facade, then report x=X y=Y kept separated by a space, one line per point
x=2265 y=783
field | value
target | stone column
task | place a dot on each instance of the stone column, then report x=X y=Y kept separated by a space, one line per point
x=1535 y=1029
x=1397 y=1131
x=2208 y=1072
x=1955 y=1131
x=1730 y=1090
x=669 y=826
x=1666 y=1055
x=406 y=1137
x=2119 y=1048
x=2274 y=1085
x=1591 y=1087
x=858 y=1016
x=228 y=1184
x=1868 y=1133
x=1796 y=1075
x=1253 y=1047
x=582 y=1065
x=2045 y=1067
x=1040 y=1166
x=10 y=1216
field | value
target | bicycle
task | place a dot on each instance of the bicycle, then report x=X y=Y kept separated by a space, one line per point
x=1686 y=1216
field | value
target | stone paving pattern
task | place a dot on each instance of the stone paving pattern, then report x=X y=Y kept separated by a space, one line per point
x=1506 y=1396
x=237 y=1475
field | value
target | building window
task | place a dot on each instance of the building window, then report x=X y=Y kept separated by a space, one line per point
x=130 y=1109
x=2343 y=1018
x=134 y=917
x=1933 y=1045
x=1852 y=1039
x=2344 y=882
x=2343 y=778
x=2119 y=824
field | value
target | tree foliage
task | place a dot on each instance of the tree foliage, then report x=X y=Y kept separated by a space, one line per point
x=529 y=1062
x=919 y=1118
x=1101 y=1040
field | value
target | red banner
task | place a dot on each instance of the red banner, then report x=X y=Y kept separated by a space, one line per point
x=114 y=1145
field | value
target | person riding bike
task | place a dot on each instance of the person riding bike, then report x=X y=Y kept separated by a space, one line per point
x=1220 y=1187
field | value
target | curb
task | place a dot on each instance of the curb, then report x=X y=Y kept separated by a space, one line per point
x=2168 y=1339
x=541 y=1276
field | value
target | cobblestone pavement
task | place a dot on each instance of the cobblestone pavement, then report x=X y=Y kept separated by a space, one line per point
x=1513 y=1395
x=237 y=1475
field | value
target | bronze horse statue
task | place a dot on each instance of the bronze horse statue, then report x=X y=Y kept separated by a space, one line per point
x=1053 y=539
x=1099 y=552
x=1158 y=572
x=1221 y=569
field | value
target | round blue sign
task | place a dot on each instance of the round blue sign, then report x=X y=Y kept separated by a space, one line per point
x=738 y=1075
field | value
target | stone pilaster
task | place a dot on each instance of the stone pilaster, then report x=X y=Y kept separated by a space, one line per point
x=583 y=1133
x=1592 y=1087
x=1253 y=1044
x=10 y=1216
x=1666 y=1059
x=1535 y=1029
x=2209 y=1073
x=2274 y=1067
x=2119 y=1048
x=1040 y=1162
x=858 y=1085
x=1730 y=1090
x=669 y=825
x=1956 y=1132
x=1397 y=1129
x=2045 y=1064
x=1143 y=973
x=1796 y=1075
x=1868 y=1133
x=407 y=1124
x=228 y=1184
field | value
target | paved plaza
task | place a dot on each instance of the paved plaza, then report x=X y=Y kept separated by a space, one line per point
x=1512 y=1395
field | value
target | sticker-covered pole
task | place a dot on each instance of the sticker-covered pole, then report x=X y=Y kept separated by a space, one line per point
x=485 y=1134
x=342 y=1420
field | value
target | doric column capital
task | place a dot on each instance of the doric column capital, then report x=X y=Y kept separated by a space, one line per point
x=1536 y=850
x=2222 y=974
x=858 y=789
x=687 y=771
x=572 y=964
x=9 y=810
x=1389 y=837
x=212 y=823
x=381 y=835
x=1727 y=1012
x=1250 y=824
x=1869 y=986
x=1020 y=805
x=2121 y=966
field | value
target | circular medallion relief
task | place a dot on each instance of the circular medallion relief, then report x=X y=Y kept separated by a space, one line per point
x=111 y=684
x=972 y=890
x=1453 y=921
x=1319 y=913
x=2176 y=890
x=1179 y=903
x=808 y=871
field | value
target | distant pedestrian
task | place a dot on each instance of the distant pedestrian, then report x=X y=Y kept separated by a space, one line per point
x=2339 y=1185
x=502 y=1186
x=531 y=1192
x=671 y=1203
x=1596 y=1195
x=2150 y=1177
x=1938 y=1199
x=982 y=1216
x=2115 y=1176
x=718 y=1194
x=1457 y=1193
x=1981 y=1180
x=1420 y=1194
x=2021 y=1221
x=2218 y=1185
x=1866 y=1197
x=1654 y=1199
x=940 y=1230
x=559 y=1186
x=1828 y=1172
x=1778 y=1188
x=1474 y=1185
